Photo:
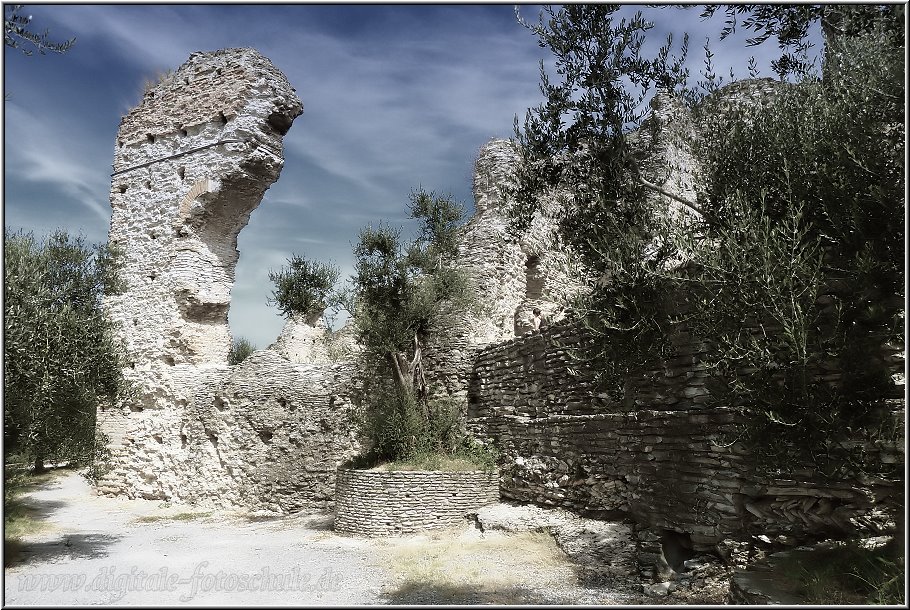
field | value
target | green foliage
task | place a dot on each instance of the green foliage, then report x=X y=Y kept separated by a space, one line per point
x=241 y=347
x=403 y=292
x=790 y=24
x=61 y=360
x=577 y=137
x=16 y=33
x=303 y=286
x=405 y=440
x=99 y=461
x=822 y=164
x=846 y=574
x=404 y=295
x=795 y=261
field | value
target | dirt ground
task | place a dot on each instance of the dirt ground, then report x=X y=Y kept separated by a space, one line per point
x=99 y=550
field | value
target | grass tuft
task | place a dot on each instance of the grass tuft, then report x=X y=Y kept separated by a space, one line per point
x=21 y=520
x=846 y=574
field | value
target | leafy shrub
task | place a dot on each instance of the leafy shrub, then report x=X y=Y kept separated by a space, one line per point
x=61 y=357
x=303 y=286
x=241 y=348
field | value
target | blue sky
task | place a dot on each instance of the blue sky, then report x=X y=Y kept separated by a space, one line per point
x=395 y=97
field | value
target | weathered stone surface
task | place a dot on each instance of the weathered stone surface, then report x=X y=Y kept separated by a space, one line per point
x=192 y=162
x=303 y=341
x=511 y=275
x=267 y=434
x=381 y=503
x=667 y=466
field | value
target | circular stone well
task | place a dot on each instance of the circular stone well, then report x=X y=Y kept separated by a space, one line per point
x=379 y=503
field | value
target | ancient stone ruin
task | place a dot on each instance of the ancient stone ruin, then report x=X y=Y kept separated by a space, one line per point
x=194 y=159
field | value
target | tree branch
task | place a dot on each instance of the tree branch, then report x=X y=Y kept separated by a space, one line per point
x=663 y=191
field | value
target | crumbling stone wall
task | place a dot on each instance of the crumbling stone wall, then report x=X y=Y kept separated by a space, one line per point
x=192 y=161
x=303 y=340
x=511 y=275
x=661 y=455
x=267 y=434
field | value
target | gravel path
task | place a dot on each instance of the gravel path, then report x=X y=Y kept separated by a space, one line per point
x=102 y=550
x=134 y=552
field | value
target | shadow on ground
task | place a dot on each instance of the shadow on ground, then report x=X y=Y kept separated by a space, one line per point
x=28 y=508
x=69 y=546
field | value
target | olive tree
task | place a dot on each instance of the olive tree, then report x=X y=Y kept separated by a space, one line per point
x=60 y=358
x=405 y=294
x=798 y=228
x=304 y=287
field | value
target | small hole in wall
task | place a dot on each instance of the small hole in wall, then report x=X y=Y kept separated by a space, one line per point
x=266 y=436
x=220 y=404
x=154 y=235
x=676 y=548
x=184 y=132
x=157 y=438
x=135 y=321
x=150 y=138
x=213 y=438
x=169 y=360
x=218 y=71
x=122 y=188
x=136 y=409
x=133 y=365
x=148 y=184
x=119 y=143
x=181 y=171
x=186 y=81
x=183 y=441
x=152 y=277
x=222 y=118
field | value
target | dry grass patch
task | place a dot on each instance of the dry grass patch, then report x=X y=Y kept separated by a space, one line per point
x=22 y=520
x=470 y=567
x=186 y=516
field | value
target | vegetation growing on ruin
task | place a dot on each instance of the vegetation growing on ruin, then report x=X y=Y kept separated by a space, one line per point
x=241 y=348
x=61 y=359
x=792 y=263
x=404 y=295
x=304 y=287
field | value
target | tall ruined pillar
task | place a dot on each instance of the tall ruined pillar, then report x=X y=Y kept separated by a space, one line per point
x=192 y=161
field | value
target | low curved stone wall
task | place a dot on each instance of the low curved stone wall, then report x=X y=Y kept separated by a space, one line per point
x=377 y=503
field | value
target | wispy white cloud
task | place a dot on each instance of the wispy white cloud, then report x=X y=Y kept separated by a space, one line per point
x=50 y=154
x=394 y=97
